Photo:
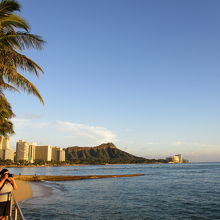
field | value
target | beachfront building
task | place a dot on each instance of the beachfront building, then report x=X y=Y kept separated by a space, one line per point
x=25 y=151
x=6 y=153
x=175 y=159
x=4 y=142
x=58 y=154
x=31 y=152
x=43 y=153
x=22 y=150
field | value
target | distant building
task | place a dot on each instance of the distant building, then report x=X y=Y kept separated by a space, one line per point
x=175 y=159
x=58 y=154
x=6 y=153
x=22 y=150
x=43 y=153
x=32 y=152
x=25 y=151
x=4 y=142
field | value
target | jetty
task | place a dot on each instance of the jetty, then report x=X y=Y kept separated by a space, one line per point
x=68 y=178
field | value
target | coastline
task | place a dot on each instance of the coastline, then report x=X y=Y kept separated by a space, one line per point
x=27 y=190
x=69 y=165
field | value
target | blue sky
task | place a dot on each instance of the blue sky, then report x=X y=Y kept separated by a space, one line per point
x=143 y=74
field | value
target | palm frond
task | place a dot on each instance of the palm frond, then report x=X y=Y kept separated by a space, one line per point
x=23 y=84
x=14 y=59
x=8 y=6
x=5 y=108
x=6 y=86
x=13 y=20
x=6 y=127
x=21 y=40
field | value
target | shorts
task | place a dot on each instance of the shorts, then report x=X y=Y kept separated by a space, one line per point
x=5 y=208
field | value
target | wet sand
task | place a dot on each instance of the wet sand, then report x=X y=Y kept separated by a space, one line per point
x=27 y=190
x=24 y=190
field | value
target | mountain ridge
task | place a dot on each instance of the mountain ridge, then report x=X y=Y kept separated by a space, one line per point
x=104 y=154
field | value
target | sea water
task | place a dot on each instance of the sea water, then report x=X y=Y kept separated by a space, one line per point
x=166 y=191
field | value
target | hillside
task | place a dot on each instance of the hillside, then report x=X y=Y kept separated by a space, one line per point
x=102 y=154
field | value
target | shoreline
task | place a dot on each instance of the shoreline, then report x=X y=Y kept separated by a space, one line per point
x=28 y=190
x=69 y=165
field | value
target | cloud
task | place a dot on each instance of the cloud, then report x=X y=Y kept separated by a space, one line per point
x=61 y=132
x=24 y=123
x=96 y=133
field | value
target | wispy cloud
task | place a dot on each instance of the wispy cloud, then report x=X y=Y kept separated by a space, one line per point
x=24 y=123
x=96 y=133
x=61 y=132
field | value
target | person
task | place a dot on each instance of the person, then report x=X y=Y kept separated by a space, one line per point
x=7 y=184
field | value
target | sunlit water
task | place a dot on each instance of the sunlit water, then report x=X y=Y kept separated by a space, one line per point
x=166 y=191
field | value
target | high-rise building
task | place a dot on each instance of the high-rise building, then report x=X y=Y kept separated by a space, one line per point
x=5 y=142
x=6 y=153
x=62 y=155
x=9 y=154
x=31 y=152
x=22 y=150
x=175 y=159
x=58 y=154
x=43 y=153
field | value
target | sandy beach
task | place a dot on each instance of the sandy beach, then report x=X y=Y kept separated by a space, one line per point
x=24 y=190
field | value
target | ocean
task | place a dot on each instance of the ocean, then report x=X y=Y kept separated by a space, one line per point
x=166 y=191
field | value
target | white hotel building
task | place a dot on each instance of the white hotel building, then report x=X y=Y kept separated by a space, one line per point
x=31 y=152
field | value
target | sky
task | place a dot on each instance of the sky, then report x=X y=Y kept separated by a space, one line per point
x=142 y=74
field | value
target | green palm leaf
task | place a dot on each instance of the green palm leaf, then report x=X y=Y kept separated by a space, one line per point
x=12 y=58
x=21 y=40
x=23 y=84
x=8 y=6
x=13 y=20
x=12 y=42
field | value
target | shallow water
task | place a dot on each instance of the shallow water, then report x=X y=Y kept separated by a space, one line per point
x=166 y=191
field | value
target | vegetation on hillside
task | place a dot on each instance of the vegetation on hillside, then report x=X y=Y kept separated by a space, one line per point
x=104 y=154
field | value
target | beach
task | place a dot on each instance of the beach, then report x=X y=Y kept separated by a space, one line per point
x=24 y=190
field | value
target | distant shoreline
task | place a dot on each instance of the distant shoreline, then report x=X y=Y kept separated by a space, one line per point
x=67 y=165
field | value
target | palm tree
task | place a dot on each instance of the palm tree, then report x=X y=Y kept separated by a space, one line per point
x=6 y=113
x=12 y=42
